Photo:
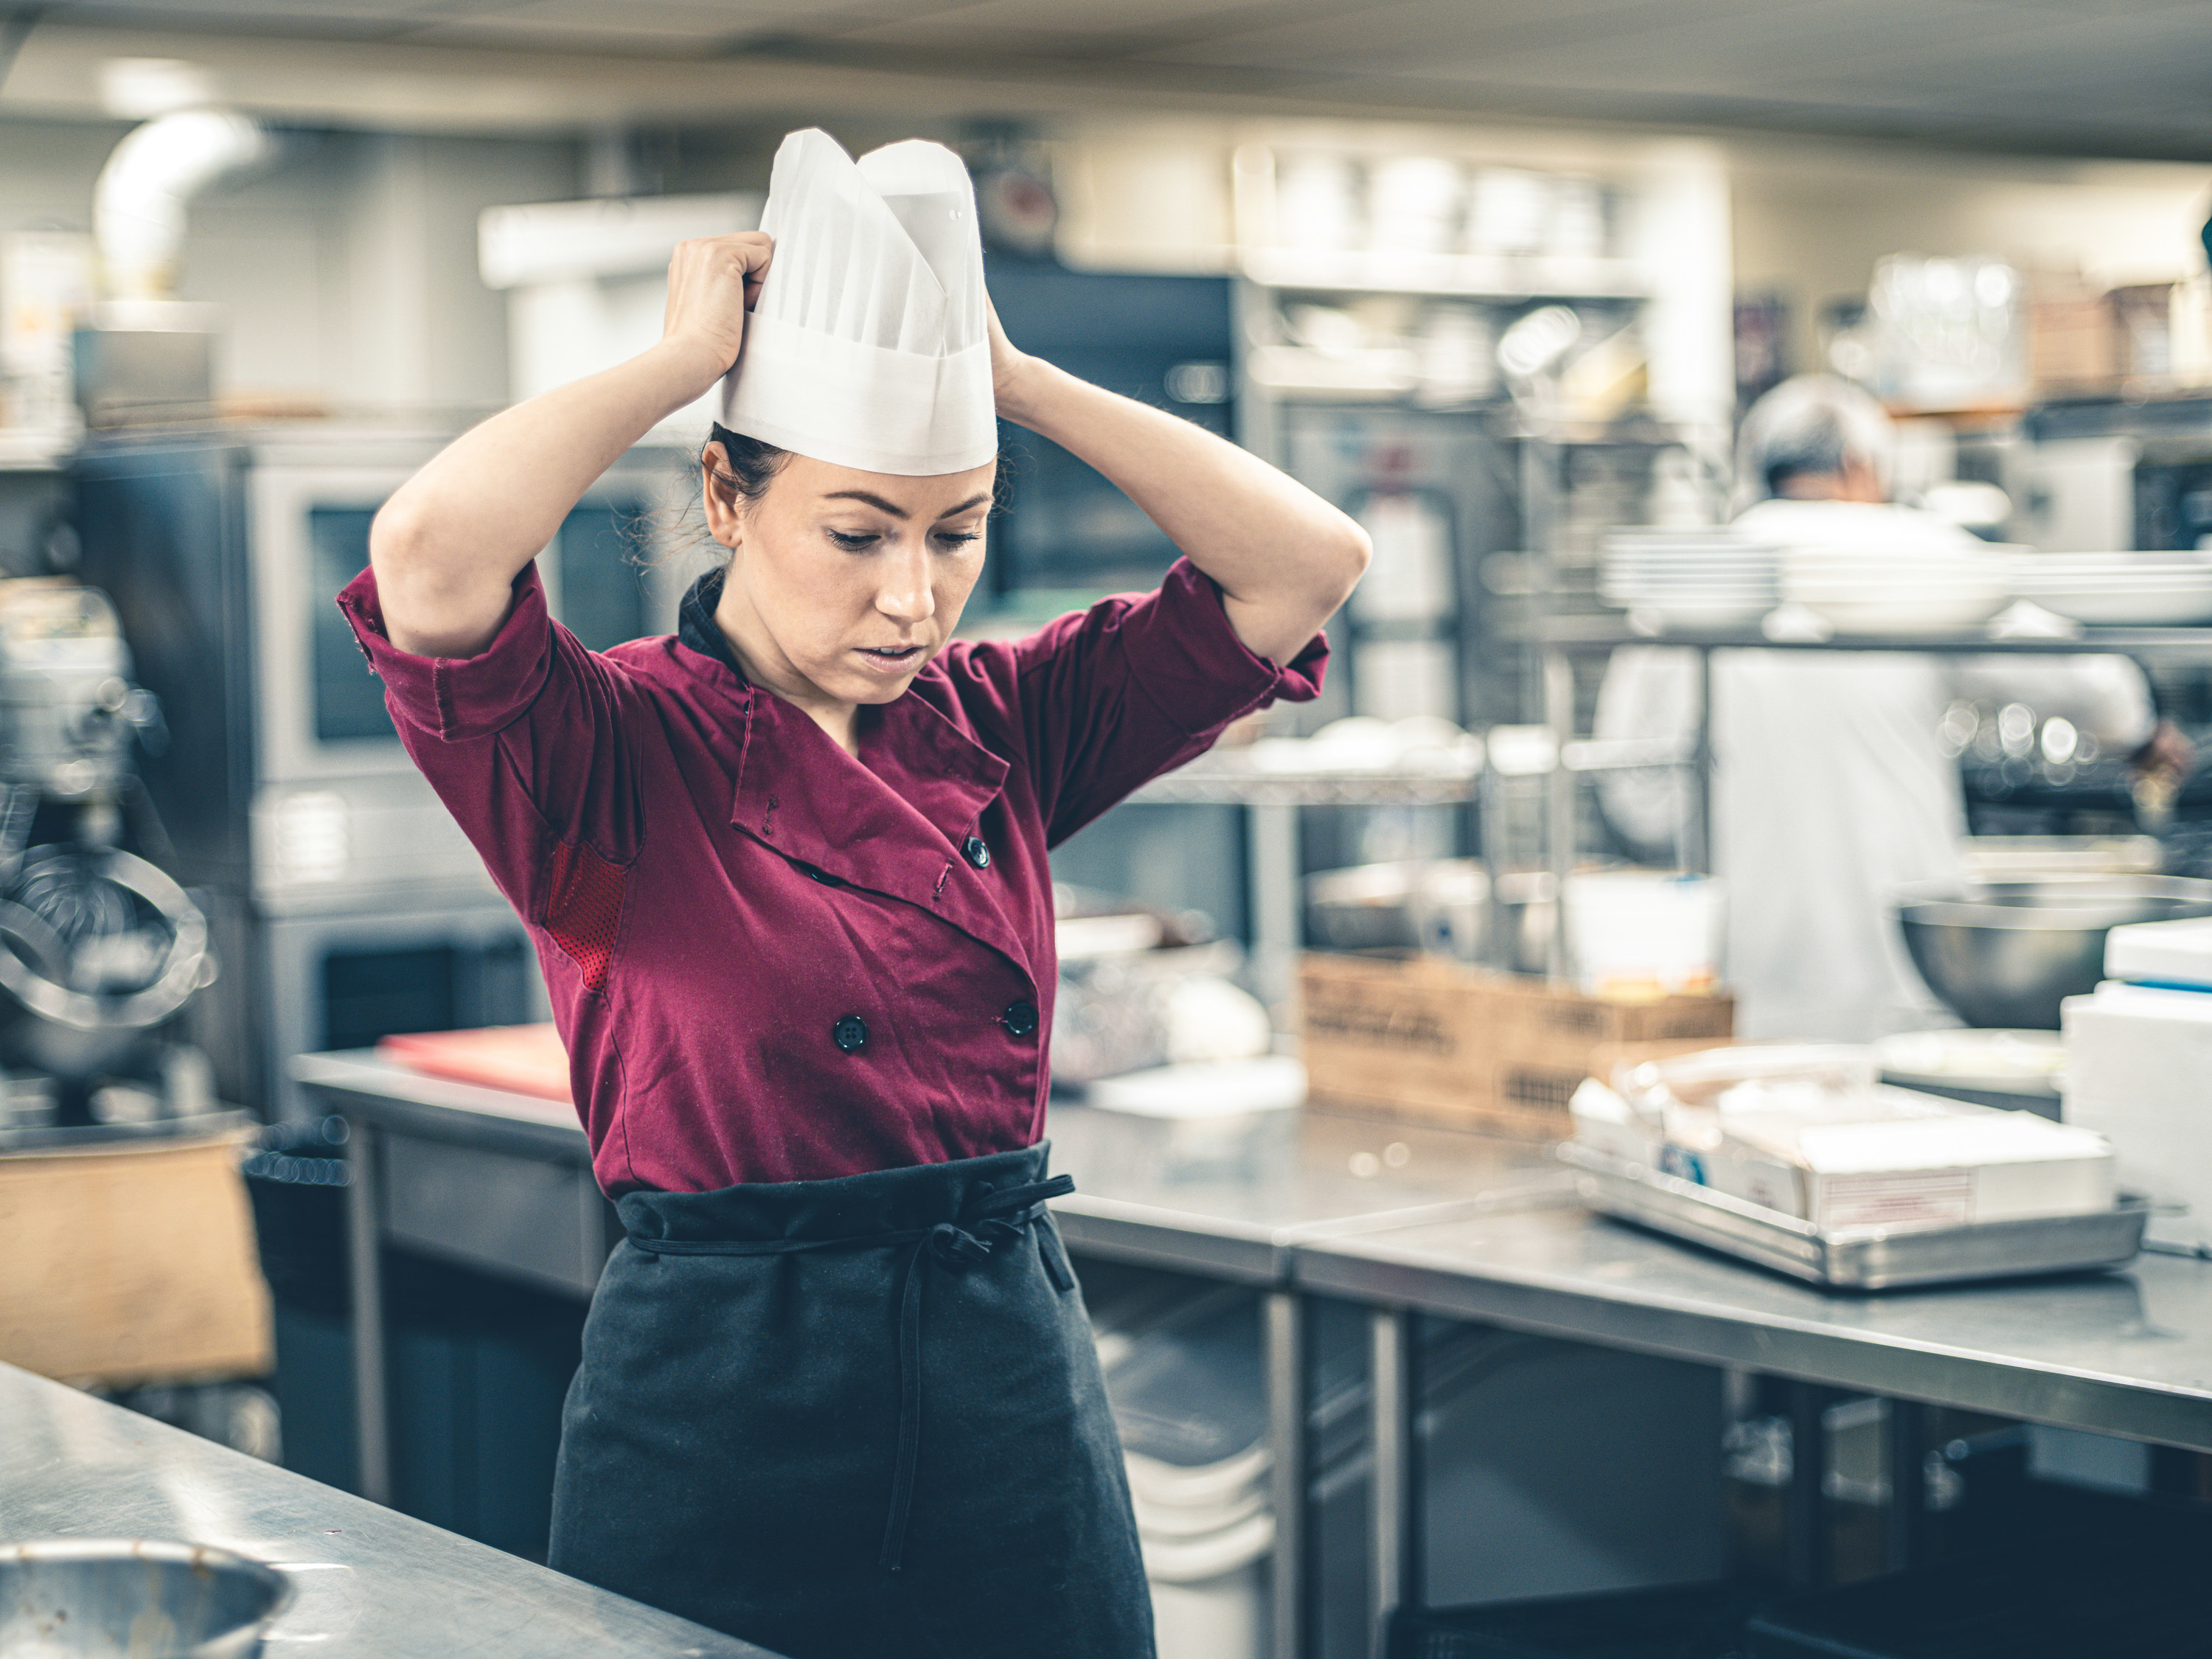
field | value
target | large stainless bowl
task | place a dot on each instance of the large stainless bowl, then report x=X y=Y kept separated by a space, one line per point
x=106 y=1598
x=2006 y=953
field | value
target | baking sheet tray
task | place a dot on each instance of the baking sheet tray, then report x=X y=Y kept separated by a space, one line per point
x=1856 y=1259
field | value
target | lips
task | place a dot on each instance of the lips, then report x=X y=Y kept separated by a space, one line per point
x=890 y=658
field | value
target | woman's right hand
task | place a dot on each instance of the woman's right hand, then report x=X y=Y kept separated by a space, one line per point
x=711 y=284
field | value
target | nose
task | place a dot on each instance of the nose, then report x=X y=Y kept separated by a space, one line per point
x=904 y=593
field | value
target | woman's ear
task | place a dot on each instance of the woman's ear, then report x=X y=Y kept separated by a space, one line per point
x=724 y=520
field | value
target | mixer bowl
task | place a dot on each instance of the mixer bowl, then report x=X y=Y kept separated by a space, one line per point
x=2006 y=953
x=106 y=1598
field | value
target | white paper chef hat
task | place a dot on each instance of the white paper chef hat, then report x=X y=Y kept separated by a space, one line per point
x=867 y=346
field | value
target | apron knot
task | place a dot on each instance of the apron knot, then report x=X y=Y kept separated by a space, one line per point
x=954 y=1247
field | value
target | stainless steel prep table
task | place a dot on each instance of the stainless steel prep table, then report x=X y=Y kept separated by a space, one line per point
x=369 y=1582
x=1465 y=1228
x=503 y=1182
x=2125 y=1354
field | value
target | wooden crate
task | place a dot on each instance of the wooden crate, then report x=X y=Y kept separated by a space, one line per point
x=131 y=1264
x=1423 y=1040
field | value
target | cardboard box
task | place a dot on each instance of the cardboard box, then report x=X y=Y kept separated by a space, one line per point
x=131 y=1264
x=1429 y=1041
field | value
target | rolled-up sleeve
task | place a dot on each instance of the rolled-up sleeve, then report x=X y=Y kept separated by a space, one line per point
x=1113 y=696
x=524 y=742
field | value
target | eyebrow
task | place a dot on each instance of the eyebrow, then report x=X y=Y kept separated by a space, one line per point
x=881 y=505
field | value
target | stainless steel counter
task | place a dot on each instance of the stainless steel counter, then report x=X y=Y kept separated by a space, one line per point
x=1410 y=1221
x=1229 y=1198
x=485 y=1176
x=1484 y=1229
x=368 y=1581
x=2126 y=1354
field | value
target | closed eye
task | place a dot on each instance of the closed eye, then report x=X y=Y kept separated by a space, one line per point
x=854 y=541
x=959 y=537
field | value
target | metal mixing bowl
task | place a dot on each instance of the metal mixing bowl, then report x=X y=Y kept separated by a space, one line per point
x=107 y=1598
x=1437 y=906
x=2006 y=953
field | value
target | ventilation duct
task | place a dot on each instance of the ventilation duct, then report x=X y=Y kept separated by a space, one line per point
x=138 y=207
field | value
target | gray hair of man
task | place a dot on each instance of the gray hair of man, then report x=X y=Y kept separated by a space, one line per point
x=1809 y=426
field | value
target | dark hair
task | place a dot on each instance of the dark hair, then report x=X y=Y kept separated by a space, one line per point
x=752 y=464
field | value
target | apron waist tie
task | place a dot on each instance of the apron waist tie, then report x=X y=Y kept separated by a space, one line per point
x=1001 y=1218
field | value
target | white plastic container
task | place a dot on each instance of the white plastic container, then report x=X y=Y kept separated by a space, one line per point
x=2173 y=954
x=2139 y=1072
x=1644 y=932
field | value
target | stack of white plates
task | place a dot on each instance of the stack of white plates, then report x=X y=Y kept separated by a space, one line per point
x=1896 y=590
x=2144 y=590
x=1692 y=577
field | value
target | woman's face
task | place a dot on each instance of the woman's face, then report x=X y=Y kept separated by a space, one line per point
x=843 y=583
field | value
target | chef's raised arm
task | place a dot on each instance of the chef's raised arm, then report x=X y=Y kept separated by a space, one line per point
x=1284 y=557
x=445 y=548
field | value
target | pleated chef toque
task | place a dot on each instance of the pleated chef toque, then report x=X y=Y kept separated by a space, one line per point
x=867 y=346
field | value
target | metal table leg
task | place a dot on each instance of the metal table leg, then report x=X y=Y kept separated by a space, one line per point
x=1698 y=851
x=1906 y=1446
x=1396 y=1540
x=364 y=1275
x=1287 y=1408
x=1559 y=805
x=1271 y=860
x=1807 y=1520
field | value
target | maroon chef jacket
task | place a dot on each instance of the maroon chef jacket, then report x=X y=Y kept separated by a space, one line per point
x=772 y=961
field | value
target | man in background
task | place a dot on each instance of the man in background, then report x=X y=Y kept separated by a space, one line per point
x=1830 y=789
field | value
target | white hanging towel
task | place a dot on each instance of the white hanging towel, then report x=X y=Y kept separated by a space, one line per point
x=867 y=346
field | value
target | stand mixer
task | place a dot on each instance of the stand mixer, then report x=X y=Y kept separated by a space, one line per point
x=99 y=951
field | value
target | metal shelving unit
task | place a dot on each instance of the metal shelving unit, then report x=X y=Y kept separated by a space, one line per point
x=1272 y=801
x=1559 y=640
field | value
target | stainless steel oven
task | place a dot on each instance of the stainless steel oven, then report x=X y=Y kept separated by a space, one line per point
x=223 y=554
x=321 y=716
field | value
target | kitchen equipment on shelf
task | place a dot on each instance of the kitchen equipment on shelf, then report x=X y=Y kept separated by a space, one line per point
x=147 y=1598
x=1644 y=932
x=1908 y=590
x=2013 y=1070
x=2148 y=590
x=2138 y=1054
x=2006 y=953
x=1691 y=577
x=100 y=949
x=1437 y=906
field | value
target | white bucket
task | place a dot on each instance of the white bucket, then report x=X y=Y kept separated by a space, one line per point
x=1210 y=1593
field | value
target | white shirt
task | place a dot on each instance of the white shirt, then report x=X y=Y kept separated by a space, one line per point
x=1830 y=789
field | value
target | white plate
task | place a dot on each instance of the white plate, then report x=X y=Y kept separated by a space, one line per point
x=2176 y=607
x=1899 y=616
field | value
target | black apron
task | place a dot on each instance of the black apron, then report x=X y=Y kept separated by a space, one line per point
x=855 y=1419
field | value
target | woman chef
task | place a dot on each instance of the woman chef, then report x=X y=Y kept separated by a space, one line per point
x=787 y=876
